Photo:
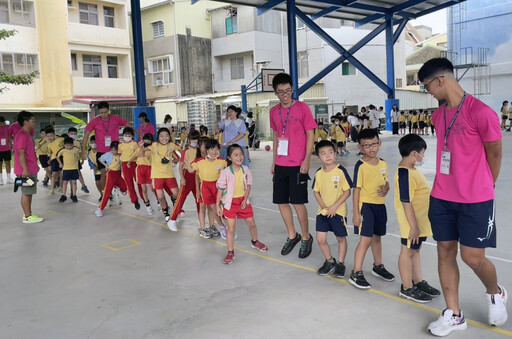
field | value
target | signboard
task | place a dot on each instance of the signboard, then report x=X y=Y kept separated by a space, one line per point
x=266 y=78
x=322 y=113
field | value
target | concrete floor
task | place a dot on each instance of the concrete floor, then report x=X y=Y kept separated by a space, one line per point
x=127 y=276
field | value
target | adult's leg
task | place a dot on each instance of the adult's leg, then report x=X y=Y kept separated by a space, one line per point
x=26 y=204
x=286 y=214
x=302 y=215
x=449 y=273
x=483 y=267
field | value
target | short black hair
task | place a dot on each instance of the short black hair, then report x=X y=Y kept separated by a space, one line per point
x=148 y=136
x=409 y=143
x=368 y=133
x=92 y=138
x=49 y=129
x=72 y=129
x=103 y=104
x=212 y=143
x=114 y=145
x=322 y=144
x=64 y=135
x=128 y=130
x=434 y=67
x=68 y=141
x=281 y=79
x=194 y=135
x=2 y=119
x=24 y=116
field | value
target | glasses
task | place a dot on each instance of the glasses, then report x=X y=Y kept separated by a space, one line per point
x=425 y=86
x=287 y=92
x=366 y=146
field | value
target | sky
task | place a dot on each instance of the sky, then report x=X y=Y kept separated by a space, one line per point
x=436 y=20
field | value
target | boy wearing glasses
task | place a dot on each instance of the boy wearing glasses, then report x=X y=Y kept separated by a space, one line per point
x=370 y=188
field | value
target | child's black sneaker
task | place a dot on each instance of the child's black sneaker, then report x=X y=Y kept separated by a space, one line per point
x=137 y=205
x=357 y=279
x=414 y=294
x=425 y=287
x=74 y=198
x=381 y=272
x=63 y=198
x=339 y=270
x=305 y=247
x=327 y=267
x=290 y=244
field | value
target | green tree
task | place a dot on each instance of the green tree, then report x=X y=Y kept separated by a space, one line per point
x=20 y=79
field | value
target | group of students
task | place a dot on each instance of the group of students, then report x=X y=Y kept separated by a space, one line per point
x=418 y=122
x=506 y=113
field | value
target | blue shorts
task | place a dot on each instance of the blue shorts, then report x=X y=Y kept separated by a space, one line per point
x=43 y=160
x=374 y=218
x=341 y=143
x=406 y=242
x=68 y=175
x=336 y=225
x=55 y=165
x=472 y=225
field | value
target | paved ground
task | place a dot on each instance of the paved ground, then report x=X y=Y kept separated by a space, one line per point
x=127 y=276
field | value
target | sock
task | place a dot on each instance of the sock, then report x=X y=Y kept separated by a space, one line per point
x=331 y=260
x=166 y=211
x=146 y=203
x=254 y=242
x=231 y=252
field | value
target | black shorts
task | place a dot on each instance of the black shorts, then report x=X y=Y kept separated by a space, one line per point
x=374 y=218
x=43 y=160
x=403 y=125
x=68 y=175
x=97 y=177
x=99 y=164
x=472 y=225
x=341 y=144
x=414 y=125
x=336 y=225
x=504 y=117
x=5 y=156
x=407 y=243
x=290 y=186
x=55 y=165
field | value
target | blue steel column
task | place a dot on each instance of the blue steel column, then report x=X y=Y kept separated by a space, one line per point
x=244 y=98
x=390 y=71
x=292 y=45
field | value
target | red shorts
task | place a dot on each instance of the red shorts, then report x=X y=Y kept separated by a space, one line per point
x=236 y=210
x=143 y=175
x=161 y=183
x=209 y=192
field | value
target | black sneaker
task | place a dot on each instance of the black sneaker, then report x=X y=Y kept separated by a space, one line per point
x=339 y=270
x=63 y=198
x=290 y=244
x=425 y=287
x=414 y=294
x=74 y=198
x=327 y=267
x=137 y=205
x=357 y=279
x=305 y=247
x=381 y=272
x=101 y=197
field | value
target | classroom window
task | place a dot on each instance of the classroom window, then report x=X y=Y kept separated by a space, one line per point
x=17 y=12
x=109 y=15
x=92 y=66
x=158 y=29
x=16 y=64
x=74 y=63
x=398 y=82
x=237 y=68
x=88 y=13
x=112 y=66
x=303 y=64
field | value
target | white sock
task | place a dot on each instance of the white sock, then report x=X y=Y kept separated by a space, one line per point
x=8 y=174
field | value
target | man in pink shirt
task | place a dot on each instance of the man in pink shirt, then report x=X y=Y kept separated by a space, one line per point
x=293 y=128
x=5 y=151
x=462 y=209
x=106 y=128
x=25 y=165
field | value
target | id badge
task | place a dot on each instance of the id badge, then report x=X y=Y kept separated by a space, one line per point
x=445 y=162
x=108 y=141
x=282 y=146
x=3 y=141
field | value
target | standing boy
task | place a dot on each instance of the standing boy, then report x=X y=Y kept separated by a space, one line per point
x=73 y=134
x=293 y=127
x=370 y=188
x=55 y=145
x=332 y=188
x=70 y=156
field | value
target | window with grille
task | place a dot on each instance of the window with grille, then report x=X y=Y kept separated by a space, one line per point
x=158 y=29
x=162 y=70
x=109 y=15
x=88 y=13
x=16 y=64
x=91 y=65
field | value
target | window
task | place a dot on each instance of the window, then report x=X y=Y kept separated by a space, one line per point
x=232 y=22
x=16 y=64
x=112 y=66
x=158 y=29
x=162 y=70
x=92 y=66
x=303 y=64
x=70 y=3
x=74 y=64
x=237 y=68
x=299 y=24
x=109 y=14
x=17 y=12
x=348 y=69
x=4 y=12
x=7 y=65
x=88 y=13
x=398 y=83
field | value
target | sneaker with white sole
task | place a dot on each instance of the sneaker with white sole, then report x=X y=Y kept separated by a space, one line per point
x=149 y=209
x=497 y=303
x=98 y=212
x=223 y=232
x=205 y=233
x=447 y=322
x=214 y=231
x=32 y=219
x=172 y=225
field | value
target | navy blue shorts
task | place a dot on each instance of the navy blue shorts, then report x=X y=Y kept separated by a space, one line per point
x=408 y=244
x=341 y=144
x=374 y=222
x=43 y=160
x=403 y=125
x=68 y=175
x=79 y=166
x=55 y=165
x=414 y=125
x=472 y=225
x=336 y=225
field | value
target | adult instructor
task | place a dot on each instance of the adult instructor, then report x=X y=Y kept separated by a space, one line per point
x=462 y=209
x=106 y=128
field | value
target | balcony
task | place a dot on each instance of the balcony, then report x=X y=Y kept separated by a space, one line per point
x=83 y=34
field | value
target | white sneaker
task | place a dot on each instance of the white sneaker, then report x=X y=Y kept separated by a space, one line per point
x=497 y=307
x=98 y=212
x=447 y=323
x=223 y=232
x=9 y=180
x=172 y=225
x=149 y=209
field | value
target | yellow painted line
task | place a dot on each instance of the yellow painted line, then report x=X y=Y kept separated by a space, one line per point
x=132 y=243
x=266 y=257
x=52 y=212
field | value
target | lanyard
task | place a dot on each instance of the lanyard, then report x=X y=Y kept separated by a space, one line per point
x=286 y=120
x=2 y=129
x=453 y=120
x=108 y=126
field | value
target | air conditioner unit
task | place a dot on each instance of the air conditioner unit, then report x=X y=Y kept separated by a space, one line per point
x=159 y=82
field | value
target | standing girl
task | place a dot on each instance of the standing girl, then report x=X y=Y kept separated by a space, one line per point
x=232 y=201
x=143 y=172
x=145 y=126
x=129 y=152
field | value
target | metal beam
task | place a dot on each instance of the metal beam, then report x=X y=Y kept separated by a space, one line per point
x=324 y=12
x=138 y=54
x=368 y=19
x=399 y=29
x=269 y=5
x=194 y=1
x=292 y=44
x=354 y=4
x=404 y=5
x=390 y=57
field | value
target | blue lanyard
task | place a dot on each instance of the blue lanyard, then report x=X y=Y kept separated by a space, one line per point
x=286 y=120
x=453 y=120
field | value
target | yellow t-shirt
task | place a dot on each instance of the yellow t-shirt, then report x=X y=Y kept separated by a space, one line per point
x=115 y=165
x=128 y=151
x=246 y=138
x=401 y=118
x=340 y=134
x=414 y=118
x=422 y=117
x=188 y=157
x=321 y=134
x=331 y=186
x=41 y=146
x=54 y=147
x=93 y=156
x=412 y=186
x=158 y=152
x=209 y=170
x=70 y=158
x=333 y=131
x=145 y=160
x=368 y=178
x=183 y=138
x=239 y=190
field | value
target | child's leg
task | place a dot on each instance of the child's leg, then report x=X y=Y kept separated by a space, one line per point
x=417 y=276
x=73 y=187
x=253 y=231
x=342 y=248
x=231 y=233
x=211 y=215
x=81 y=179
x=360 y=252
x=202 y=215
x=213 y=212
x=98 y=186
x=321 y=238
x=109 y=186
x=55 y=178
x=405 y=266
x=64 y=186
x=144 y=194
x=377 y=249
x=161 y=198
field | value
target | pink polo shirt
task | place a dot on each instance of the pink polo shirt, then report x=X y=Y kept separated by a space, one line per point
x=470 y=179
x=14 y=128
x=300 y=120
x=102 y=129
x=149 y=128
x=4 y=139
x=23 y=140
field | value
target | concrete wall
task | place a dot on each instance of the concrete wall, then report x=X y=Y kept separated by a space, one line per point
x=195 y=65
